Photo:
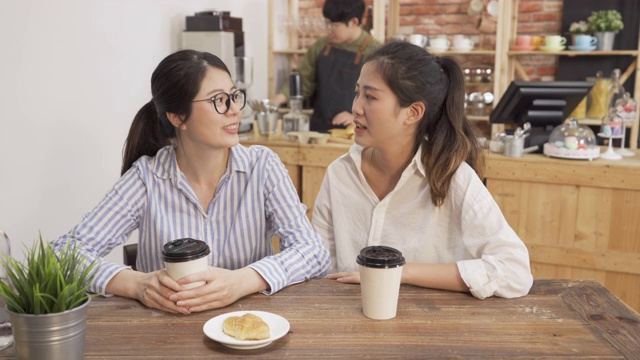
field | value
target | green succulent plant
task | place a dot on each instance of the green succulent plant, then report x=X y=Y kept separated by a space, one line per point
x=48 y=282
x=605 y=21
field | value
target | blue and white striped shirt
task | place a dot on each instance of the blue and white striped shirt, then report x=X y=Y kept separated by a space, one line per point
x=254 y=200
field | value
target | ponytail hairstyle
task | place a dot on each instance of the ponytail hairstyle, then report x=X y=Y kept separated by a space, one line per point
x=174 y=85
x=446 y=135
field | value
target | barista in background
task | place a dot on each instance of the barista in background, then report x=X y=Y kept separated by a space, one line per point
x=332 y=65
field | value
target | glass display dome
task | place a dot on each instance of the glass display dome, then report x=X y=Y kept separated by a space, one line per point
x=611 y=125
x=612 y=128
x=572 y=141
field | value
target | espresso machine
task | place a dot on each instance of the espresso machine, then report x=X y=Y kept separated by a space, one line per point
x=219 y=33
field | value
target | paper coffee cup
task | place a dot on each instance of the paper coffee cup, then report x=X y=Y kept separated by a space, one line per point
x=184 y=257
x=380 y=277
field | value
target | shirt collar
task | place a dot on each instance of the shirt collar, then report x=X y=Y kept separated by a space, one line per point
x=355 y=152
x=164 y=165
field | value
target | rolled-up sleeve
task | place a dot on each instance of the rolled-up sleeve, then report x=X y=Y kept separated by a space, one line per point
x=501 y=260
x=303 y=255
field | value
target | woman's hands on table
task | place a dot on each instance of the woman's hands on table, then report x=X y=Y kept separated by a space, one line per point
x=222 y=287
x=159 y=291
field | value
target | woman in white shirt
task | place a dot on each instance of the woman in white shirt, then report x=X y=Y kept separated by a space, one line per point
x=412 y=182
x=185 y=175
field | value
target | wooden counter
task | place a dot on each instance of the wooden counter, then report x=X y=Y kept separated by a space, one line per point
x=579 y=219
x=306 y=163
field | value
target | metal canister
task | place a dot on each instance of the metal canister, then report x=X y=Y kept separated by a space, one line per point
x=513 y=146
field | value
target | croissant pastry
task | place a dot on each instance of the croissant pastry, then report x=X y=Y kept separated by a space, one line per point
x=246 y=327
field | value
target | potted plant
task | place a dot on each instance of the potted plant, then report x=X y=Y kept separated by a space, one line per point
x=605 y=24
x=578 y=28
x=47 y=301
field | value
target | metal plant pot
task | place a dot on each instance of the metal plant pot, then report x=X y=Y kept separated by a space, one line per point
x=605 y=40
x=58 y=336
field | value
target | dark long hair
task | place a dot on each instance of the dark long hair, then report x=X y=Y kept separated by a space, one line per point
x=447 y=136
x=174 y=85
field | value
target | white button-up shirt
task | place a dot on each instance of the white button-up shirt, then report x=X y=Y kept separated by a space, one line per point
x=468 y=229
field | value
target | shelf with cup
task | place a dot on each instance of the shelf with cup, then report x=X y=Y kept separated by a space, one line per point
x=510 y=65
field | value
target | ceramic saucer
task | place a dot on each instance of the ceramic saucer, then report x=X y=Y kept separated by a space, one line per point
x=461 y=49
x=580 y=48
x=523 y=47
x=548 y=49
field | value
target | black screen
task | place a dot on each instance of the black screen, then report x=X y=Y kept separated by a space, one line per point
x=542 y=104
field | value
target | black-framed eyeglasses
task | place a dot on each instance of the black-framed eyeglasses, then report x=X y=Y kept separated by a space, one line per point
x=333 y=26
x=222 y=101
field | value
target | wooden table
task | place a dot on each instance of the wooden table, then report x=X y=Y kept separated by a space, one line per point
x=560 y=318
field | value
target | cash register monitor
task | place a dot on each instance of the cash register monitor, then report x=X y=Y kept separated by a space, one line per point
x=544 y=105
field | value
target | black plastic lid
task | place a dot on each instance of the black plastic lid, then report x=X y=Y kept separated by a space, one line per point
x=182 y=250
x=380 y=257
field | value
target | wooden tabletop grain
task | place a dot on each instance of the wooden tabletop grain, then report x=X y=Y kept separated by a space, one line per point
x=559 y=318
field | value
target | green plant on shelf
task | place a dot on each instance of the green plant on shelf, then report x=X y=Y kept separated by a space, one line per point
x=605 y=21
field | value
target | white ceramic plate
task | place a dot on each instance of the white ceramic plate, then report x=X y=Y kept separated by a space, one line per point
x=278 y=326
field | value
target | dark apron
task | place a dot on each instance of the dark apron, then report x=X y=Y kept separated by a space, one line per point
x=337 y=71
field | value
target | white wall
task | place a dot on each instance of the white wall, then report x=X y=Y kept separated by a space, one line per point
x=73 y=73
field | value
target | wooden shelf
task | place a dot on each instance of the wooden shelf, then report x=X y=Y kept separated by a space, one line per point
x=470 y=52
x=575 y=53
x=478 y=83
x=590 y=122
x=478 y=118
x=510 y=64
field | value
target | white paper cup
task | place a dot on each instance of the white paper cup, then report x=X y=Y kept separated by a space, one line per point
x=184 y=257
x=380 y=277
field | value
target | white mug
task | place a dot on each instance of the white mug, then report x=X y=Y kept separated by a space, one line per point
x=418 y=39
x=463 y=43
x=440 y=44
x=555 y=41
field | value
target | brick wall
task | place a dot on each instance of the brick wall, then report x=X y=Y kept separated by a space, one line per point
x=435 y=17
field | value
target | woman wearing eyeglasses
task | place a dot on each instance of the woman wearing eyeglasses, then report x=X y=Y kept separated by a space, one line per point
x=331 y=65
x=185 y=175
